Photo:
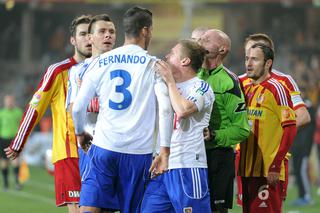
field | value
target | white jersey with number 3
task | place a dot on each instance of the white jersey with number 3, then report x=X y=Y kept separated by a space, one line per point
x=124 y=80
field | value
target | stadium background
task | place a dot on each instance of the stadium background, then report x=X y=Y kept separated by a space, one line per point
x=34 y=34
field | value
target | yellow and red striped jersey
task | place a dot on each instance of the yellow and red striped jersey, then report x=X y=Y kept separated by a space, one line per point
x=269 y=110
x=52 y=91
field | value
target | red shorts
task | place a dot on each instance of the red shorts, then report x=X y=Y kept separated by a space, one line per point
x=67 y=181
x=286 y=180
x=260 y=197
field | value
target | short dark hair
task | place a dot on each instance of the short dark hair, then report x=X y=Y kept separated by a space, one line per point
x=194 y=51
x=260 y=37
x=267 y=51
x=100 y=17
x=135 y=19
x=83 y=19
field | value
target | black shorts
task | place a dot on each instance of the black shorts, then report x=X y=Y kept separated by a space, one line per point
x=4 y=143
x=221 y=173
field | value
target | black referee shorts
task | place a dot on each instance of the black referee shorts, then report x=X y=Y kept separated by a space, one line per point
x=221 y=173
x=4 y=143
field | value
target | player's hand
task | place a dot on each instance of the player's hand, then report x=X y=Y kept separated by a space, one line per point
x=273 y=178
x=165 y=71
x=11 y=154
x=84 y=140
x=160 y=163
x=206 y=134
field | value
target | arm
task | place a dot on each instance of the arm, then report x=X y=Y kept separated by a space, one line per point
x=79 y=110
x=181 y=106
x=160 y=163
x=35 y=110
x=239 y=128
x=303 y=116
x=289 y=132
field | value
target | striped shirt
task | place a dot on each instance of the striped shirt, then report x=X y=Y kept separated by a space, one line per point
x=269 y=110
x=52 y=91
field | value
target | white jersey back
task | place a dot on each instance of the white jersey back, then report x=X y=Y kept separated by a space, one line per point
x=124 y=80
x=187 y=148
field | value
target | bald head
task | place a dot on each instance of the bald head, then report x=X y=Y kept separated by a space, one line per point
x=216 y=42
x=198 y=32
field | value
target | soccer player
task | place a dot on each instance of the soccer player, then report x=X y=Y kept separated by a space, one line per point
x=128 y=88
x=192 y=101
x=300 y=108
x=102 y=36
x=273 y=128
x=52 y=90
x=228 y=123
x=10 y=116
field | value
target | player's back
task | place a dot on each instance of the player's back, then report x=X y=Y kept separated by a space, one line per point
x=127 y=104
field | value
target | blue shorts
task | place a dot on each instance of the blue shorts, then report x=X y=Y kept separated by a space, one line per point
x=179 y=190
x=83 y=160
x=114 y=180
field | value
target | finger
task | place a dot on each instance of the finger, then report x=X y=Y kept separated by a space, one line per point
x=152 y=167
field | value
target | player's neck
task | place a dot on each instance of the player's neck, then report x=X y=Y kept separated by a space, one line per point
x=262 y=78
x=136 y=41
x=78 y=57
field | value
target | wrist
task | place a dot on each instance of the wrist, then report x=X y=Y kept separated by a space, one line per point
x=80 y=134
x=164 y=151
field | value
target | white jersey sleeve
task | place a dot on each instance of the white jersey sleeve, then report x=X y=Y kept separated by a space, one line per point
x=165 y=111
x=197 y=95
x=82 y=99
x=72 y=86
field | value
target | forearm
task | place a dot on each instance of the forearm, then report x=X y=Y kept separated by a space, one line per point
x=181 y=106
x=165 y=114
x=289 y=132
x=231 y=135
x=303 y=116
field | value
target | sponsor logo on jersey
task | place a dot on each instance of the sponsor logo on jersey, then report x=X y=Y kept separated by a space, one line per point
x=256 y=113
x=187 y=210
x=74 y=193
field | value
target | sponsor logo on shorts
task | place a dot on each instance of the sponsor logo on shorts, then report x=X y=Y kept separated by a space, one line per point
x=187 y=210
x=219 y=201
x=74 y=193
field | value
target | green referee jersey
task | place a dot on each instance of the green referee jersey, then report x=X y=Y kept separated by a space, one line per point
x=229 y=118
x=9 y=122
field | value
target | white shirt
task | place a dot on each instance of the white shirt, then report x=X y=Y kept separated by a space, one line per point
x=126 y=84
x=75 y=76
x=187 y=148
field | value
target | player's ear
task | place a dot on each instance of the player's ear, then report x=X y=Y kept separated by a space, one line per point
x=185 y=61
x=268 y=64
x=72 y=40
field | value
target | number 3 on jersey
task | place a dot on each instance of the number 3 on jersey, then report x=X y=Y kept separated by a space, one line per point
x=122 y=88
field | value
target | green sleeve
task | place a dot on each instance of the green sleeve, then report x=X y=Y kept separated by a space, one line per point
x=237 y=129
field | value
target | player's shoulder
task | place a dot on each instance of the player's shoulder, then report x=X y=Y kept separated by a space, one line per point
x=277 y=89
x=224 y=80
x=61 y=65
x=201 y=85
x=243 y=77
x=287 y=79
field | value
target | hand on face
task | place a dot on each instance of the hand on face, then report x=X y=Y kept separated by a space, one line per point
x=165 y=71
